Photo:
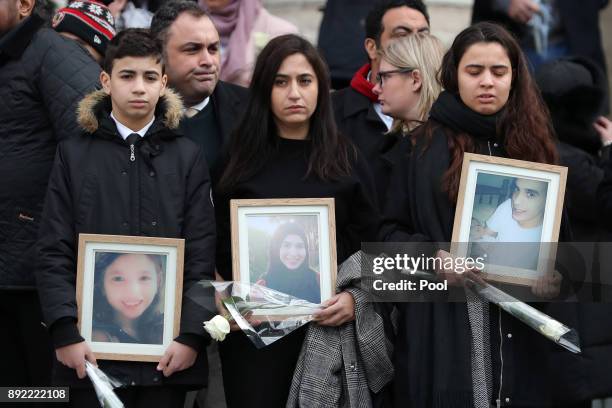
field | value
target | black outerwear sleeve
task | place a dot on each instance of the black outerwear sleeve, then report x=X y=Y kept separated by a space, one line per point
x=397 y=225
x=56 y=271
x=67 y=74
x=224 y=239
x=200 y=241
x=364 y=213
x=604 y=196
x=65 y=332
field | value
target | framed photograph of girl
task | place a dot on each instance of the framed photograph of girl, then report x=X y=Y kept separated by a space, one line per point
x=288 y=245
x=508 y=214
x=129 y=293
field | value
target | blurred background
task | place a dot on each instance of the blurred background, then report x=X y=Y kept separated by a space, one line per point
x=448 y=18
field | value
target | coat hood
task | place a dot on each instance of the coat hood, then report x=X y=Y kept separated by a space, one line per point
x=92 y=107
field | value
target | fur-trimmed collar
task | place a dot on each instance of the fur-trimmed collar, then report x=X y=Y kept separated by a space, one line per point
x=169 y=106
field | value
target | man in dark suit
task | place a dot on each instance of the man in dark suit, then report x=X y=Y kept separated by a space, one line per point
x=357 y=112
x=192 y=60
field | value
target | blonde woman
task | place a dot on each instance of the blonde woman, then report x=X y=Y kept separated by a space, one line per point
x=406 y=83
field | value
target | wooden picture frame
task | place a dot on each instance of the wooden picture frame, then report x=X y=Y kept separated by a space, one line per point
x=262 y=227
x=524 y=201
x=129 y=307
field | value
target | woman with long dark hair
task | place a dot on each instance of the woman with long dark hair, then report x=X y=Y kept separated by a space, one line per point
x=287 y=146
x=468 y=354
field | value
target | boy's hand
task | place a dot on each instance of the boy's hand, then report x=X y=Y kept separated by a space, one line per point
x=177 y=357
x=74 y=356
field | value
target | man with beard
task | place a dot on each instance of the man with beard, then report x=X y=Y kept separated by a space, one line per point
x=192 y=58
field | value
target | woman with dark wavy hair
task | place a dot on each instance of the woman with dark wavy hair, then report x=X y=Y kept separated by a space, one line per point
x=287 y=146
x=468 y=354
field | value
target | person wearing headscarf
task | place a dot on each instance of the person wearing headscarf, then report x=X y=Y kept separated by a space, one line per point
x=245 y=27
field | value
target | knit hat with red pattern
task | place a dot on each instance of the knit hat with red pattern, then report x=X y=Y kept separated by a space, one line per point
x=91 y=21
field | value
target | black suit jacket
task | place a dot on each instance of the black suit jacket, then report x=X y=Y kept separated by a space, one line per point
x=229 y=101
x=356 y=118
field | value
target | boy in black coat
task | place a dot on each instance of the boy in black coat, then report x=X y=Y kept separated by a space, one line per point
x=129 y=173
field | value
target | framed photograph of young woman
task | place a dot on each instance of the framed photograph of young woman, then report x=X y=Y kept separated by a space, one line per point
x=129 y=292
x=288 y=245
x=508 y=214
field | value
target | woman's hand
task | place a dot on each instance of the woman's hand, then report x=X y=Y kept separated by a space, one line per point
x=74 y=356
x=177 y=357
x=547 y=286
x=337 y=310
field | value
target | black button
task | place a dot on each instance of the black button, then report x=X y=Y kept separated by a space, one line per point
x=154 y=223
x=125 y=224
x=152 y=174
x=123 y=172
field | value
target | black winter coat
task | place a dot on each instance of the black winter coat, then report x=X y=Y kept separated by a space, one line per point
x=433 y=345
x=604 y=196
x=43 y=77
x=356 y=118
x=95 y=188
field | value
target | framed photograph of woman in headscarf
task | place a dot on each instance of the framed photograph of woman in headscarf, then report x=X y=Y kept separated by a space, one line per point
x=288 y=245
x=509 y=214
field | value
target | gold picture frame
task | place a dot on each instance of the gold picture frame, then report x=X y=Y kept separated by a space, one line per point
x=129 y=308
x=259 y=255
x=519 y=221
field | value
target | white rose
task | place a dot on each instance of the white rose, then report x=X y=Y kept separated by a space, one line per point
x=218 y=327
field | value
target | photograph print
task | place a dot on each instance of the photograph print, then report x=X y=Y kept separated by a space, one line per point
x=287 y=245
x=509 y=214
x=129 y=292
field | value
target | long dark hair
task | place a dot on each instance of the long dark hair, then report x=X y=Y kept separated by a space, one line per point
x=256 y=137
x=524 y=121
x=103 y=312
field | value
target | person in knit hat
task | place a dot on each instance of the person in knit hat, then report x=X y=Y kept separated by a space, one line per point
x=90 y=23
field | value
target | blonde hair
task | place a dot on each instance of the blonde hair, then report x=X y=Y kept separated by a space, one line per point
x=422 y=52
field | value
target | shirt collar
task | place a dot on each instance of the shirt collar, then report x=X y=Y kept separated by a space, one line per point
x=125 y=131
x=200 y=106
x=386 y=119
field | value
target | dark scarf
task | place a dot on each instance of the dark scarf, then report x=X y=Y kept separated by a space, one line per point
x=450 y=111
x=361 y=84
